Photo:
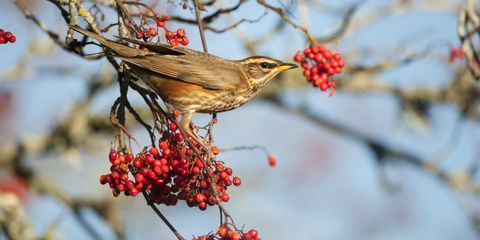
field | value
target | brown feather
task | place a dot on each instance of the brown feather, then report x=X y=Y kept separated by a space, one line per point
x=184 y=64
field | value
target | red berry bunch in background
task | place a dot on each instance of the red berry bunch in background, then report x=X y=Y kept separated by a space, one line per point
x=173 y=38
x=225 y=233
x=319 y=64
x=176 y=38
x=171 y=172
x=6 y=37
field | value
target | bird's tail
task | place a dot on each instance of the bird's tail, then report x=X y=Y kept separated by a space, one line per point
x=117 y=48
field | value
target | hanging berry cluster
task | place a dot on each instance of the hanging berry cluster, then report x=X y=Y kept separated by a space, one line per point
x=6 y=37
x=170 y=172
x=225 y=233
x=173 y=38
x=319 y=65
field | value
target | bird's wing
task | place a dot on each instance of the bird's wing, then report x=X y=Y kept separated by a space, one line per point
x=207 y=71
x=159 y=48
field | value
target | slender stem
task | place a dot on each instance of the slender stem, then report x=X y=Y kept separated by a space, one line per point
x=164 y=219
x=200 y=25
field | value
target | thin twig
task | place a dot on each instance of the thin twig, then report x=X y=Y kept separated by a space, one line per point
x=200 y=25
x=164 y=219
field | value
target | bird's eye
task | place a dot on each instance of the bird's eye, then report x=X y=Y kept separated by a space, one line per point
x=264 y=65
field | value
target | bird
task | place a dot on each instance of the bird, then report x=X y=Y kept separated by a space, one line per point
x=191 y=81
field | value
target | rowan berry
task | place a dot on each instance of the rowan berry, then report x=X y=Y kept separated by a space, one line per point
x=272 y=161
x=152 y=32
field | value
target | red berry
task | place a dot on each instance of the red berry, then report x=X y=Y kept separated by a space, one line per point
x=202 y=206
x=165 y=168
x=321 y=48
x=149 y=159
x=195 y=170
x=152 y=32
x=153 y=151
x=120 y=187
x=307 y=51
x=173 y=127
x=298 y=57
x=324 y=86
x=112 y=155
x=328 y=54
x=224 y=197
x=139 y=178
x=128 y=157
x=115 y=175
x=184 y=41
x=169 y=35
x=181 y=32
x=272 y=161
x=139 y=34
x=129 y=184
x=304 y=64
x=133 y=191
x=223 y=175
x=138 y=163
x=178 y=137
x=337 y=56
x=222 y=231
x=173 y=43
x=12 y=39
x=215 y=150
x=200 y=198
x=103 y=179
x=253 y=233
x=307 y=73
x=160 y=23
x=237 y=181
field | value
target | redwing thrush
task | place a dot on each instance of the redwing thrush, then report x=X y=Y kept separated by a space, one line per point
x=192 y=81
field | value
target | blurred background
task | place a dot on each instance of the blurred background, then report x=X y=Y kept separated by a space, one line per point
x=393 y=154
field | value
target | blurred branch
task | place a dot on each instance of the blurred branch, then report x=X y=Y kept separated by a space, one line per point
x=209 y=19
x=282 y=13
x=345 y=23
x=468 y=27
x=236 y=24
x=13 y=220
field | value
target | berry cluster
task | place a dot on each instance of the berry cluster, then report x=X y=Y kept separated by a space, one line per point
x=319 y=65
x=170 y=172
x=174 y=39
x=225 y=233
x=6 y=37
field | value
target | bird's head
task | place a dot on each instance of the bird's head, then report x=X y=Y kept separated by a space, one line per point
x=260 y=70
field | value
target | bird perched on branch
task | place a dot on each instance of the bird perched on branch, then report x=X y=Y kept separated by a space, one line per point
x=191 y=81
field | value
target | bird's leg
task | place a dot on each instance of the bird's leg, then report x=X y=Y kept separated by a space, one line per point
x=185 y=122
x=189 y=127
x=170 y=108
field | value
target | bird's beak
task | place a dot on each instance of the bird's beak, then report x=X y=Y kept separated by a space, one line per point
x=286 y=66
